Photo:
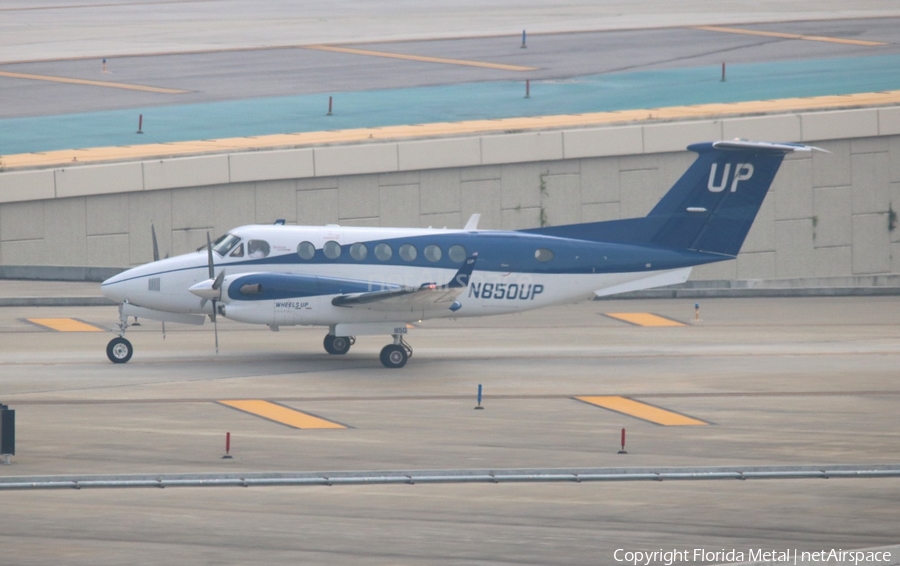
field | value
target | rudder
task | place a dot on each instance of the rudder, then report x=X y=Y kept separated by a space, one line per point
x=709 y=209
x=712 y=206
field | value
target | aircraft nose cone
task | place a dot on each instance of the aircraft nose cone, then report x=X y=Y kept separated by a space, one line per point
x=114 y=288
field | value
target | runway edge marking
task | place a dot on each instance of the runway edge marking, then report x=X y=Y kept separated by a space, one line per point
x=64 y=324
x=89 y=82
x=781 y=35
x=640 y=410
x=643 y=319
x=281 y=414
x=419 y=58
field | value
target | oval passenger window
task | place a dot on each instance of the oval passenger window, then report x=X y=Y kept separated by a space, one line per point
x=408 y=252
x=383 y=252
x=359 y=251
x=433 y=253
x=457 y=253
x=331 y=249
x=306 y=250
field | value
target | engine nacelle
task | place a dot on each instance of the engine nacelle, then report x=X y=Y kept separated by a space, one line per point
x=261 y=312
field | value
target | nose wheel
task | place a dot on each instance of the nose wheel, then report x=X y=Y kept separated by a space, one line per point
x=119 y=350
x=395 y=356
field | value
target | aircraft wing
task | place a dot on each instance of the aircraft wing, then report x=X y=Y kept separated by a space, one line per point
x=428 y=296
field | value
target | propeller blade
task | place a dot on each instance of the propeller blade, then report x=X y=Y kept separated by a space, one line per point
x=212 y=268
x=203 y=302
x=155 y=245
x=156 y=258
x=217 y=284
x=215 y=326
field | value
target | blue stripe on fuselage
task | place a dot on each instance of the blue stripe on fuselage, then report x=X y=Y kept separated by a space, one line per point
x=278 y=286
x=515 y=251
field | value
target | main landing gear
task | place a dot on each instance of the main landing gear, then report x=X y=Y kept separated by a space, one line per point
x=119 y=350
x=392 y=356
x=338 y=345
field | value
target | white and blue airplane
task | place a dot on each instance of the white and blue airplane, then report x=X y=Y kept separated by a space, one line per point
x=376 y=281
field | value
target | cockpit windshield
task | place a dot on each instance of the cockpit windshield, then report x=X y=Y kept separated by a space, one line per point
x=224 y=244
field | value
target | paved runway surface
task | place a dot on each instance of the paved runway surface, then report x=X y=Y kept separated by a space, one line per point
x=50 y=29
x=222 y=93
x=779 y=382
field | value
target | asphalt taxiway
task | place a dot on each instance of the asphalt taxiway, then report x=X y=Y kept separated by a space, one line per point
x=772 y=382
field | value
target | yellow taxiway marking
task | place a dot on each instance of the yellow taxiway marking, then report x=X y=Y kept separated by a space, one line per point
x=421 y=58
x=65 y=324
x=792 y=36
x=280 y=414
x=89 y=82
x=643 y=319
x=641 y=411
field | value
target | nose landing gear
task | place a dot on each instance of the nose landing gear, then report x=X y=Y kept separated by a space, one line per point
x=119 y=350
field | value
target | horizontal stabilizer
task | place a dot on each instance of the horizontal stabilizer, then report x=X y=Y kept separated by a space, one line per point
x=658 y=279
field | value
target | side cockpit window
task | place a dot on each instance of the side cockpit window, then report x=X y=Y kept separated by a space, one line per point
x=237 y=251
x=257 y=248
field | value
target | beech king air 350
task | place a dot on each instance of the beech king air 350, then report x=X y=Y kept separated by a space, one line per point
x=371 y=281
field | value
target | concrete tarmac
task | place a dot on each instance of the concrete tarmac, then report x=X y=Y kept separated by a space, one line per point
x=48 y=29
x=780 y=382
x=291 y=70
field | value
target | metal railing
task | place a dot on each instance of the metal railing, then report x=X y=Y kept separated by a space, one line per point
x=450 y=476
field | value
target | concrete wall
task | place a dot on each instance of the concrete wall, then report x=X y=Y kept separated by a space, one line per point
x=826 y=215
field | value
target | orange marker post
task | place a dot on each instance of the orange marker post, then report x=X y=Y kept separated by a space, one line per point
x=227 y=456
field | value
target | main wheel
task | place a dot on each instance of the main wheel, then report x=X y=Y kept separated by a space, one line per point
x=393 y=356
x=337 y=345
x=119 y=350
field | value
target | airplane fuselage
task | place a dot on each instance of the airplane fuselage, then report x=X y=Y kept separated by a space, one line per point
x=515 y=272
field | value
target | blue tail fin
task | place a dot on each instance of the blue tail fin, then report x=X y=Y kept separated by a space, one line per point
x=710 y=208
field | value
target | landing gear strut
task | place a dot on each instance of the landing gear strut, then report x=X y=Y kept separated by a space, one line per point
x=394 y=356
x=338 y=345
x=119 y=350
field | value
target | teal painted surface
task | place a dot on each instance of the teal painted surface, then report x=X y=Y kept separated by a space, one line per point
x=469 y=101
